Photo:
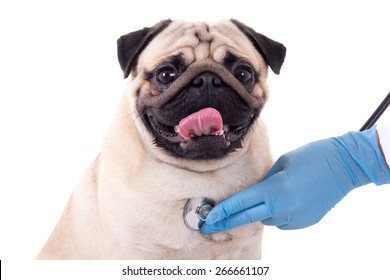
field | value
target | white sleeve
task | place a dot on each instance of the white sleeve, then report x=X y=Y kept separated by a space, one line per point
x=384 y=138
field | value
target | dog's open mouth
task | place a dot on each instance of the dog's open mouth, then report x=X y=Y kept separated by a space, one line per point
x=200 y=135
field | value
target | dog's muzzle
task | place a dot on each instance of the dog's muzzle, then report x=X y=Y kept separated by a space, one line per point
x=203 y=114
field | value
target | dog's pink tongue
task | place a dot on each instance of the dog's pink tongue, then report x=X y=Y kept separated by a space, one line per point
x=207 y=121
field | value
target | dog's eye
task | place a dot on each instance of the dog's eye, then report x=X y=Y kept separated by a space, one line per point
x=166 y=75
x=244 y=74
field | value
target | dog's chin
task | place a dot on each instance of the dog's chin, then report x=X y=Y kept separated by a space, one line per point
x=199 y=148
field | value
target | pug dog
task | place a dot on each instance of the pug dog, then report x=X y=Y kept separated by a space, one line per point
x=188 y=126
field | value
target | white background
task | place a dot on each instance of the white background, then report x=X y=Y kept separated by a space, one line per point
x=60 y=84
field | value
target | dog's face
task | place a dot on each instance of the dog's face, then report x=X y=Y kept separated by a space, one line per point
x=198 y=88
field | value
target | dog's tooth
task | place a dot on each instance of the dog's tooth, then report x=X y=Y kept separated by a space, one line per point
x=220 y=133
x=184 y=145
x=226 y=128
x=176 y=129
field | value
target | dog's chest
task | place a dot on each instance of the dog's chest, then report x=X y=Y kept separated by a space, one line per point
x=150 y=225
x=163 y=235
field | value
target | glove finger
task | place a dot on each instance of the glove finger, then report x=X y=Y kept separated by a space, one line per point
x=285 y=223
x=218 y=226
x=251 y=215
x=278 y=222
x=238 y=202
x=247 y=198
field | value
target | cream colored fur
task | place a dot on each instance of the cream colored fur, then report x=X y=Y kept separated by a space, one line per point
x=129 y=203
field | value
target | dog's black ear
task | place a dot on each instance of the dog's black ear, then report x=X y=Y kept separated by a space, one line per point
x=131 y=45
x=272 y=51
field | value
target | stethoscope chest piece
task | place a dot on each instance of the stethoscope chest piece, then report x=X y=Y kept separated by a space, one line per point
x=196 y=211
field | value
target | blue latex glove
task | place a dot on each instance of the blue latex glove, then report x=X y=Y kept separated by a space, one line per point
x=305 y=184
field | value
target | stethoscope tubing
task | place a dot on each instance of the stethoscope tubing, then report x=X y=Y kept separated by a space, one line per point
x=378 y=112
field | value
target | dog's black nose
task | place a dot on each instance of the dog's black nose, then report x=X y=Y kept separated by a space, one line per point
x=207 y=79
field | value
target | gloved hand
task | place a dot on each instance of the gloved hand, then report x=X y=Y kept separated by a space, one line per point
x=305 y=184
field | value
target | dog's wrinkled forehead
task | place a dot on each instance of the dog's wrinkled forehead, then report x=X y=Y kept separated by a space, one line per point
x=199 y=42
x=195 y=48
x=196 y=42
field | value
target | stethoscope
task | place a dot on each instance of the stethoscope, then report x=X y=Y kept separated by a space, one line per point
x=378 y=112
x=196 y=209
